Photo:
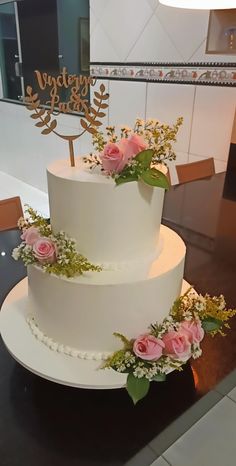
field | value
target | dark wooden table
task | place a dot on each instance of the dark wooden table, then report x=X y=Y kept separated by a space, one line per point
x=45 y=424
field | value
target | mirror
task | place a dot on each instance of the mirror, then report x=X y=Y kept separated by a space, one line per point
x=45 y=35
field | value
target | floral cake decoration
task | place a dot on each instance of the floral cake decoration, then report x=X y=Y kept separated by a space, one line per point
x=135 y=154
x=53 y=252
x=168 y=346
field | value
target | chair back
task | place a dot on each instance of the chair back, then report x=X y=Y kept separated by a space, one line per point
x=10 y=212
x=195 y=170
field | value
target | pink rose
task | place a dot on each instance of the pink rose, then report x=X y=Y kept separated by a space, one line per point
x=148 y=347
x=30 y=235
x=112 y=158
x=193 y=330
x=177 y=345
x=133 y=145
x=45 y=251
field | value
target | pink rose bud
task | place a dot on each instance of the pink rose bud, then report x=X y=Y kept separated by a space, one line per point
x=193 y=330
x=148 y=347
x=112 y=158
x=177 y=345
x=44 y=250
x=30 y=235
x=133 y=145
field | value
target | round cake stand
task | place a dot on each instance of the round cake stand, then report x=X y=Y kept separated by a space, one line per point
x=41 y=360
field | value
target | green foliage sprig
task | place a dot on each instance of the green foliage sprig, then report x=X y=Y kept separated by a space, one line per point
x=158 y=138
x=140 y=168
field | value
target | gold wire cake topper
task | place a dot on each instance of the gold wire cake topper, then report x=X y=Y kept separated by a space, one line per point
x=78 y=102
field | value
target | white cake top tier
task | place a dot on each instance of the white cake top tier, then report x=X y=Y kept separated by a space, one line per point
x=110 y=223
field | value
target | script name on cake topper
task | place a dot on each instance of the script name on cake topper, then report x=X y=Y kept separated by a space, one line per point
x=77 y=102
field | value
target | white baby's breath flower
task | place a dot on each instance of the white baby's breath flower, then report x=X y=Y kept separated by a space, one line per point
x=139 y=372
x=187 y=315
x=222 y=303
x=151 y=372
x=200 y=306
x=197 y=351
x=16 y=253
x=27 y=248
x=121 y=368
x=21 y=222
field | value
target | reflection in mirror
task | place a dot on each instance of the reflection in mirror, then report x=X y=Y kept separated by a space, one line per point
x=45 y=35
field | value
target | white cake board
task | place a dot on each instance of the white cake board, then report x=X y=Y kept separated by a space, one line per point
x=41 y=360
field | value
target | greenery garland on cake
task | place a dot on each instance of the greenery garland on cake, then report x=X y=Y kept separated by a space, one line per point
x=136 y=154
x=54 y=252
x=168 y=346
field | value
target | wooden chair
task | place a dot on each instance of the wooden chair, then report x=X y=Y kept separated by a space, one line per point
x=195 y=170
x=10 y=212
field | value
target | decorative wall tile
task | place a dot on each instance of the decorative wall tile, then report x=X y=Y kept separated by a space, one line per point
x=127 y=102
x=212 y=121
x=211 y=73
x=166 y=103
x=98 y=7
x=123 y=25
x=92 y=21
x=183 y=32
x=126 y=21
x=153 y=4
x=150 y=44
x=101 y=48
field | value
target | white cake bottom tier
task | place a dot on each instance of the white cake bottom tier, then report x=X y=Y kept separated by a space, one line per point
x=84 y=312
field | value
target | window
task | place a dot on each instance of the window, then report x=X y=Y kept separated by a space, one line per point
x=44 y=35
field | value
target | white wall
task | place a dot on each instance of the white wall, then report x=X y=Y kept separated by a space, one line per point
x=132 y=30
x=25 y=152
x=207 y=111
x=144 y=30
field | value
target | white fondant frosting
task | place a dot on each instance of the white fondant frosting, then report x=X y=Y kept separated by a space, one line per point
x=109 y=223
x=118 y=227
x=85 y=312
x=60 y=348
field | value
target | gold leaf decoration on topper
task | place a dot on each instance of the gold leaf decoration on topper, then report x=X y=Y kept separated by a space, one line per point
x=79 y=88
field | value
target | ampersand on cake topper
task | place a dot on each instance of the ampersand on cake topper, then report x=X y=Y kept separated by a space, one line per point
x=78 y=102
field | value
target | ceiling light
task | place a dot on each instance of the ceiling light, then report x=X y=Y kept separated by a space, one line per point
x=201 y=4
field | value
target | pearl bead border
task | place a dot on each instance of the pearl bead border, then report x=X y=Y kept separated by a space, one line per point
x=64 y=349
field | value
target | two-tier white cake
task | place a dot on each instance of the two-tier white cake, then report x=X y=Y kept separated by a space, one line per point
x=119 y=228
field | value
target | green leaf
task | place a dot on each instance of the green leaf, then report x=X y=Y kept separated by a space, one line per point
x=159 y=378
x=154 y=177
x=210 y=324
x=126 y=179
x=125 y=341
x=145 y=157
x=137 y=388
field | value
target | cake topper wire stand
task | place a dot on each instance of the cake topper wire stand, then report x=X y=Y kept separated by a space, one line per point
x=41 y=360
